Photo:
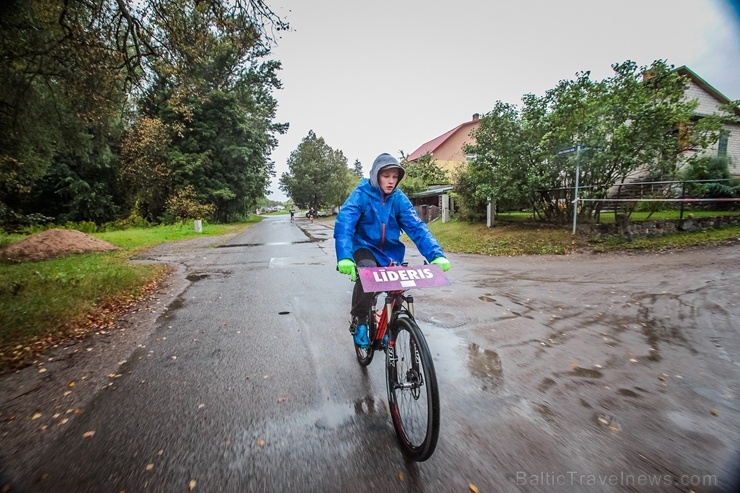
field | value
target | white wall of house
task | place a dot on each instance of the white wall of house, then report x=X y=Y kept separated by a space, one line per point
x=708 y=105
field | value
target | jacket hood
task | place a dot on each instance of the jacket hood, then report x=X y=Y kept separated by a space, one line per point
x=385 y=160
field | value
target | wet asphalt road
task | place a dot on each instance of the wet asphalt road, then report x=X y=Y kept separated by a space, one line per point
x=569 y=373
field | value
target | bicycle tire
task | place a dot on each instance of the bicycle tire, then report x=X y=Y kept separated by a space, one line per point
x=413 y=395
x=365 y=355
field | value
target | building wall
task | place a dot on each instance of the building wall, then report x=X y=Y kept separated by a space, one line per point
x=451 y=154
x=709 y=105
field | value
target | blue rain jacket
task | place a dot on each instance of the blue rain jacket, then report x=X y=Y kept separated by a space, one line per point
x=370 y=219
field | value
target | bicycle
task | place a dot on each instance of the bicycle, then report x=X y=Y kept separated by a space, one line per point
x=413 y=395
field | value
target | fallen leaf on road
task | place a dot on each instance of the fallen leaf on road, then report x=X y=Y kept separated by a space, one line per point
x=473 y=487
x=714 y=412
x=400 y=476
x=88 y=434
x=261 y=442
x=149 y=467
x=36 y=416
x=71 y=384
x=191 y=485
x=201 y=406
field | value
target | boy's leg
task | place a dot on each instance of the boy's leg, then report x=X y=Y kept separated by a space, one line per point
x=361 y=300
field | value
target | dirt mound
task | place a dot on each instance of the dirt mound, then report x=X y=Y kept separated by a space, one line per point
x=54 y=243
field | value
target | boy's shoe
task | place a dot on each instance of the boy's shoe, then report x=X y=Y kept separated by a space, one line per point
x=360 y=336
x=385 y=340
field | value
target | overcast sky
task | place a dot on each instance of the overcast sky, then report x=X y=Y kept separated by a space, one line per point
x=389 y=75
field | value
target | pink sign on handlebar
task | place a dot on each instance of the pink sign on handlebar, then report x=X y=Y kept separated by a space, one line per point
x=398 y=278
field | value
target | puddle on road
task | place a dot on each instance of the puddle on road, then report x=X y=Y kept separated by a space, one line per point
x=195 y=277
x=586 y=372
x=199 y=276
x=335 y=415
x=485 y=365
x=457 y=360
x=629 y=393
x=447 y=320
x=280 y=262
x=269 y=243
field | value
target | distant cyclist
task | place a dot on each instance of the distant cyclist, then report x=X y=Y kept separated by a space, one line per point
x=368 y=229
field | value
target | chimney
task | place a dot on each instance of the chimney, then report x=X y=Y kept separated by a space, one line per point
x=476 y=116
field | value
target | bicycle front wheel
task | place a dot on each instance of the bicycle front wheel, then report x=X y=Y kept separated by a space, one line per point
x=365 y=355
x=413 y=396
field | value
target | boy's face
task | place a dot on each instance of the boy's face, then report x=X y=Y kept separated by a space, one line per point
x=388 y=179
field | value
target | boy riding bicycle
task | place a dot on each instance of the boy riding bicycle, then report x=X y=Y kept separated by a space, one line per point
x=367 y=234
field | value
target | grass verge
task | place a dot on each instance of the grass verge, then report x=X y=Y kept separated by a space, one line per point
x=531 y=239
x=46 y=303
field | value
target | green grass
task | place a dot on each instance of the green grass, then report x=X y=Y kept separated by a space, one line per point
x=608 y=217
x=44 y=303
x=504 y=239
x=38 y=299
x=140 y=238
x=525 y=238
x=667 y=242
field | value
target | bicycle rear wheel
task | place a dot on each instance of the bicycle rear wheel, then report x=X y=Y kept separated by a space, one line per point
x=413 y=395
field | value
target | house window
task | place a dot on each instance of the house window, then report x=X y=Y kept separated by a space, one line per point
x=723 y=138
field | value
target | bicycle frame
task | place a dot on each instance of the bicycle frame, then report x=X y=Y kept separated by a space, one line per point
x=393 y=306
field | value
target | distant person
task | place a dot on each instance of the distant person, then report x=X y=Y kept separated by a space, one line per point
x=292 y=214
x=367 y=234
x=311 y=213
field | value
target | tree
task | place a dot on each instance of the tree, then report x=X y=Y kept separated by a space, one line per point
x=145 y=167
x=215 y=94
x=357 y=169
x=72 y=68
x=420 y=174
x=61 y=94
x=184 y=205
x=318 y=176
x=637 y=119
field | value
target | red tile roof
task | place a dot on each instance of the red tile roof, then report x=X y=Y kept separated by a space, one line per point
x=432 y=145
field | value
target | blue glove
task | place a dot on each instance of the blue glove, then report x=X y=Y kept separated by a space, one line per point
x=348 y=267
x=443 y=263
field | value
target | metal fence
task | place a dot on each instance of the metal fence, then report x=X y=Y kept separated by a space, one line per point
x=623 y=194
